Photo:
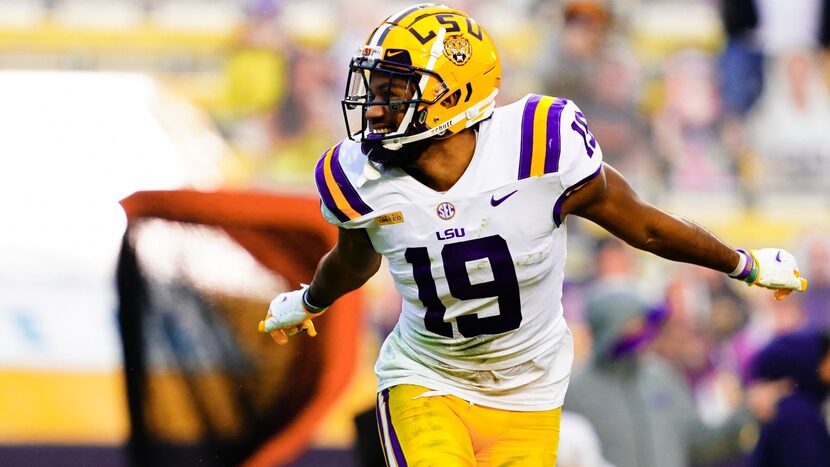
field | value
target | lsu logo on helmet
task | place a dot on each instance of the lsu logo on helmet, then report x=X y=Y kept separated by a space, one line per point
x=457 y=48
x=451 y=72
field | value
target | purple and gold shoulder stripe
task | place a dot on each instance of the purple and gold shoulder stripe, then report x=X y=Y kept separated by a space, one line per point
x=336 y=192
x=540 y=139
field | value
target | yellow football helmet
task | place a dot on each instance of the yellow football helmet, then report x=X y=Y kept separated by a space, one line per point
x=437 y=52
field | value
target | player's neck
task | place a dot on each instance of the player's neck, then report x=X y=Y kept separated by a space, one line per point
x=444 y=162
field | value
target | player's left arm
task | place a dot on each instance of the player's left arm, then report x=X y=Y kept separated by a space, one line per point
x=609 y=201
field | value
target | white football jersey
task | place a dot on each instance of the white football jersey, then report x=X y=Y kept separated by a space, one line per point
x=480 y=266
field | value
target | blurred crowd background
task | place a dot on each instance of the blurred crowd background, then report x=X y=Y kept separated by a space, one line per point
x=716 y=110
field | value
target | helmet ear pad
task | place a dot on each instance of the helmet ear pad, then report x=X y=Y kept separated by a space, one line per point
x=451 y=100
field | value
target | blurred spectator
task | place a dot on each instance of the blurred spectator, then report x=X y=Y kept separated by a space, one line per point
x=578 y=443
x=681 y=341
x=573 y=55
x=254 y=82
x=611 y=263
x=742 y=61
x=687 y=125
x=613 y=260
x=707 y=329
x=707 y=338
x=771 y=317
x=794 y=431
x=616 y=120
x=307 y=106
x=304 y=119
x=816 y=266
x=789 y=126
x=770 y=47
x=741 y=84
x=641 y=407
x=285 y=105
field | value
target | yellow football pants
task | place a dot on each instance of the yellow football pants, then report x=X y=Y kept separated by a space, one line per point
x=446 y=431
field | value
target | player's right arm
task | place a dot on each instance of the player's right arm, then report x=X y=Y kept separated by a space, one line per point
x=346 y=267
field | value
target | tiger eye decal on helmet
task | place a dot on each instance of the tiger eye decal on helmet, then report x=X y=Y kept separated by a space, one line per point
x=447 y=54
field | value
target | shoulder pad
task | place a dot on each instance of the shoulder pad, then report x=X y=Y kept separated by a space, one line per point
x=541 y=141
x=336 y=190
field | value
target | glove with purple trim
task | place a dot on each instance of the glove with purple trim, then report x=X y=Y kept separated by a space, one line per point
x=289 y=315
x=771 y=268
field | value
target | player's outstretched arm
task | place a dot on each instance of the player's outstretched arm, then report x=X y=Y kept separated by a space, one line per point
x=346 y=267
x=609 y=201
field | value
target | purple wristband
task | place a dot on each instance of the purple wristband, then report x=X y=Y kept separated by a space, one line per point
x=747 y=270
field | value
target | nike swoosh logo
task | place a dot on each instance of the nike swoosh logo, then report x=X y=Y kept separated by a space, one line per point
x=393 y=53
x=495 y=202
x=778 y=256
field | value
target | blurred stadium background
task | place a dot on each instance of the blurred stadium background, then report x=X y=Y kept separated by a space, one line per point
x=103 y=98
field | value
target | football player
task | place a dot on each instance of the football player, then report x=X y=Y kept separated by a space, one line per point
x=468 y=203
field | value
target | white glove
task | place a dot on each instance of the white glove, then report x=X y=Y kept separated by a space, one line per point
x=288 y=316
x=777 y=270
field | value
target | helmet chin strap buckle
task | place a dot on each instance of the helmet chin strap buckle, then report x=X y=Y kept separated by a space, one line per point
x=371 y=172
x=393 y=145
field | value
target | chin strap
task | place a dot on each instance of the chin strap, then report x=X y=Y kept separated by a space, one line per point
x=473 y=115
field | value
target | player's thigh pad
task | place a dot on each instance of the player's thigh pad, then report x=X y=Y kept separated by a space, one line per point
x=422 y=431
x=503 y=437
x=444 y=430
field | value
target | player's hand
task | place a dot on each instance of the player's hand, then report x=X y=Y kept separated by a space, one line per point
x=778 y=270
x=287 y=316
